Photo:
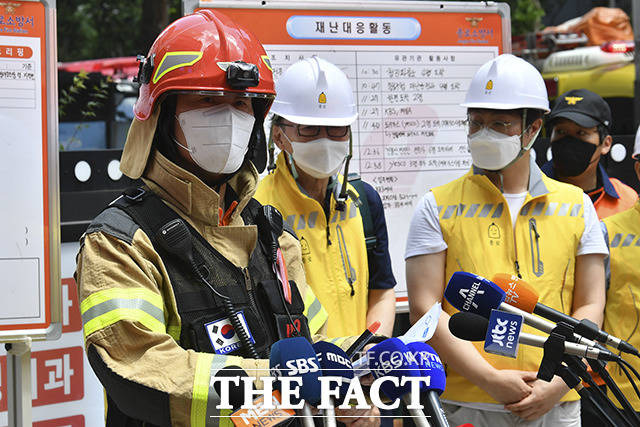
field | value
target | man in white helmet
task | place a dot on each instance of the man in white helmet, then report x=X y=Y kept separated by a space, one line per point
x=314 y=108
x=505 y=216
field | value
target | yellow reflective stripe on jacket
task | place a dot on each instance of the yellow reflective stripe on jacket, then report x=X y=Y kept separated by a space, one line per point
x=201 y=382
x=205 y=400
x=314 y=312
x=174 y=331
x=104 y=308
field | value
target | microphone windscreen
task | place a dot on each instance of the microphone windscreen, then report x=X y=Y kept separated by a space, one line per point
x=334 y=362
x=468 y=326
x=470 y=292
x=392 y=357
x=236 y=392
x=518 y=292
x=430 y=365
x=295 y=357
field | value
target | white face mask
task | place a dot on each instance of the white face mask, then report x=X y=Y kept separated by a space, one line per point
x=492 y=150
x=320 y=158
x=217 y=136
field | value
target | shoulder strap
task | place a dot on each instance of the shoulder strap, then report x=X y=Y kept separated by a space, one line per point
x=146 y=209
x=365 y=211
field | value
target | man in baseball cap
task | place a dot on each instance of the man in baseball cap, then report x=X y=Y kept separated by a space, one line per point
x=580 y=122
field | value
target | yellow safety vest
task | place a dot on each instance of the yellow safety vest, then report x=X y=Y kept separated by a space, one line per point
x=333 y=249
x=622 y=312
x=477 y=227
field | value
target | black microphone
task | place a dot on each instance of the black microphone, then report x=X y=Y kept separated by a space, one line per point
x=472 y=327
x=235 y=391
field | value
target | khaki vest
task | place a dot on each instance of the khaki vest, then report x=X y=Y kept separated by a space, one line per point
x=622 y=312
x=477 y=227
x=330 y=262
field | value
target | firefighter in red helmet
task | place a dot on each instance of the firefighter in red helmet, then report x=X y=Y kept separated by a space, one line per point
x=173 y=274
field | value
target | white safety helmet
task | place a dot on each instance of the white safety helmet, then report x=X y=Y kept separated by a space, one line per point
x=507 y=83
x=636 y=146
x=315 y=92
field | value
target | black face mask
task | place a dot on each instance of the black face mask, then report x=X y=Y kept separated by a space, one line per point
x=571 y=156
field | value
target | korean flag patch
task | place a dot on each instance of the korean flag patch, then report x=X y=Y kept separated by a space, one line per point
x=223 y=337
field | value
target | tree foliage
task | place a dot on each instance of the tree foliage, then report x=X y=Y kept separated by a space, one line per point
x=89 y=29
x=526 y=16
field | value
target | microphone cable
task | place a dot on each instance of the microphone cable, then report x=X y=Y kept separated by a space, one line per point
x=623 y=365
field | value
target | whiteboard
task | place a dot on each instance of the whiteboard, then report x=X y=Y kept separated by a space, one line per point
x=29 y=221
x=410 y=64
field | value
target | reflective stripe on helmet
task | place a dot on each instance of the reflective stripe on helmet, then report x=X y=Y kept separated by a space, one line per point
x=174 y=60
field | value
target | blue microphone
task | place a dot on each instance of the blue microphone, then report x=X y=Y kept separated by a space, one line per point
x=334 y=362
x=392 y=358
x=431 y=366
x=295 y=357
x=473 y=293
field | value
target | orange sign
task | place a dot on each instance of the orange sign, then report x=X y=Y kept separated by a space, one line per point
x=410 y=65
x=348 y=27
x=15 y=52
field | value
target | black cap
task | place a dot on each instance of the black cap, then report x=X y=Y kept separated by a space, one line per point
x=583 y=107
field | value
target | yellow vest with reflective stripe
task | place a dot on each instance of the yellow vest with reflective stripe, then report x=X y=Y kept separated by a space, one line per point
x=328 y=266
x=477 y=227
x=622 y=312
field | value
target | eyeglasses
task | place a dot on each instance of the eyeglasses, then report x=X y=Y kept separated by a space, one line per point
x=499 y=126
x=310 y=131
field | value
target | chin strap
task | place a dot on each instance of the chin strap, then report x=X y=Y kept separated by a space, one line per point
x=522 y=149
x=292 y=166
x=271 y=149
x=341 y=200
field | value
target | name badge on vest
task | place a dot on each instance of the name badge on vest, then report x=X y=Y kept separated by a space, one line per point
x=223 y=337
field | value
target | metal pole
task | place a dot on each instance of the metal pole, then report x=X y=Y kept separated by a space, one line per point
x=19 y=382
x=636 y=37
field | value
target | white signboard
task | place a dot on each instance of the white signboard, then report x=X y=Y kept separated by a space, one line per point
x=29 y=225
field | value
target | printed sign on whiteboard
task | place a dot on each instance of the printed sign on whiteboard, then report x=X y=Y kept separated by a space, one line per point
x=410 y=134
x=24 y=224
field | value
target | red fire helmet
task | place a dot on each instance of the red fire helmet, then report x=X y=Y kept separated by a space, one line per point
x=204 y=52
